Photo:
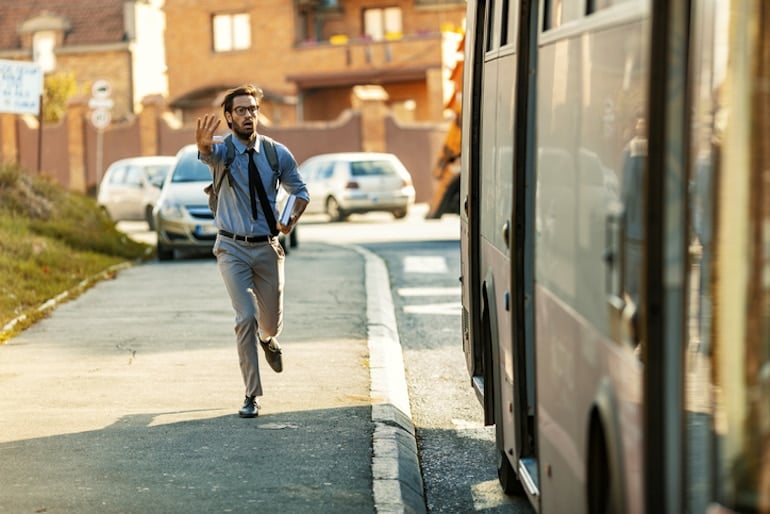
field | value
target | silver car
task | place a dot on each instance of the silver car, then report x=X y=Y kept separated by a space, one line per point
x=183 y=220
x=130 y=187
x=341 y=184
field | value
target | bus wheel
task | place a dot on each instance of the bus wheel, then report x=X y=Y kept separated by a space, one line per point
x=599 y=477
x=509 y=481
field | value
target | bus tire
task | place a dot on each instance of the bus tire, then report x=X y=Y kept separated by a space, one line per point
x=602 y=484
x=509 y=480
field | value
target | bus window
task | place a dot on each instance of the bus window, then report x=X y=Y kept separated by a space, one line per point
x=491 y=26
x=558 y=12
x=551 y=14
x=509 y=20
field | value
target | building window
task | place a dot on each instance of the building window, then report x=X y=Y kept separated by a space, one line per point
x=43 y=44
x=231 y=32
x=438 y=3
x=382 y=23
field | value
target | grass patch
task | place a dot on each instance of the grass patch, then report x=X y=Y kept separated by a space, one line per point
x=51 y=241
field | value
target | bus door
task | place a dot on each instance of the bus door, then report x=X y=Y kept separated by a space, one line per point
x=492 y=237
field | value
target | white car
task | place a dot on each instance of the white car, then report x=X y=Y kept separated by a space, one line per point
x=130 y=187
x=341 y=184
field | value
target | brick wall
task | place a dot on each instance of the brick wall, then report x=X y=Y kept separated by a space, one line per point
x=75 y=154
x=278 y=52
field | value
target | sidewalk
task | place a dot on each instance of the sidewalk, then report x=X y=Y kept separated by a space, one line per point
x=125 y=399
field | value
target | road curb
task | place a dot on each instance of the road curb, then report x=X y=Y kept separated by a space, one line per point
x=397 y=482
x=17 y=324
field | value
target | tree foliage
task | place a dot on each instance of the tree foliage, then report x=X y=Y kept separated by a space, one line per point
x=58 y=88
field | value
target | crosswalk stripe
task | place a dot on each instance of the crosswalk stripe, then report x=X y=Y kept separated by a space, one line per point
x=425 y=264
x=429 y=291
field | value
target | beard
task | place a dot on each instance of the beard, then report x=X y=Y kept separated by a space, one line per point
x=245 y=133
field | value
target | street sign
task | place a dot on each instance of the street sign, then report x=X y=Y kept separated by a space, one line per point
x=21 y=86
x=101 y=103
x=101 y=118
x=101 y=89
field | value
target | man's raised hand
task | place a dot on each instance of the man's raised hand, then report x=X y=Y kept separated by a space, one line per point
x=204 y=133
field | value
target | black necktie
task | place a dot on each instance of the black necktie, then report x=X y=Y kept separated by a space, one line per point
x=253 y=179
x=255 y=183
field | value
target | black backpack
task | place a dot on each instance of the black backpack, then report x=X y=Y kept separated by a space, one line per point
x=212 y=190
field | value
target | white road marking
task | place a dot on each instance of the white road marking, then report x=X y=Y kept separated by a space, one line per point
x=429 y=291
x=452 y=308
x=425 y=264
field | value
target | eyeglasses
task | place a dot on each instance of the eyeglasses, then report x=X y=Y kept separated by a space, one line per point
x=241 y=110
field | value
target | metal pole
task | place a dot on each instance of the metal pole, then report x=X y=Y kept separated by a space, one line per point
x=99 y=157
x=40 y=137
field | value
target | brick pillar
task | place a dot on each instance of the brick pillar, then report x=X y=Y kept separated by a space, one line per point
x=370 y=101
x=76 y=144
x=9 y=152
x=152 y=109
x=435 y=81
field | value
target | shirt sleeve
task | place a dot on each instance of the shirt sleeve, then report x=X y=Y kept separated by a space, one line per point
x=291 y=179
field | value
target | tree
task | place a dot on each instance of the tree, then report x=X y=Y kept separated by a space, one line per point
x=58 y=88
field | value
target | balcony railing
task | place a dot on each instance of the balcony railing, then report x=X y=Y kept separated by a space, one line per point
x=396 y=50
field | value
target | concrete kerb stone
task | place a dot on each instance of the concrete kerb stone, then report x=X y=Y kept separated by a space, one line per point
x=397 y=481
x=10 y=327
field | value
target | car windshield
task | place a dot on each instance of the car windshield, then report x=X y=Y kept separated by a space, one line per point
x=372 y=168
x=156 y=172
x=190 y=169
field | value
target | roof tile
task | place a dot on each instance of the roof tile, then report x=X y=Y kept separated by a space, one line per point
x=91 y=21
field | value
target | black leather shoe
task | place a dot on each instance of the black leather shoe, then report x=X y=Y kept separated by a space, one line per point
x=250 y=408
x=273 y=354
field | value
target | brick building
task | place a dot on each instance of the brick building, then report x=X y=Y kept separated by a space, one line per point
x=307 y=55
x=120 y=41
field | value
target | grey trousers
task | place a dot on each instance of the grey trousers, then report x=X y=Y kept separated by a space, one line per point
x=253 y=277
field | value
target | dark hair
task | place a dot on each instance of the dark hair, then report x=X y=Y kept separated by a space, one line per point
x=246 y=89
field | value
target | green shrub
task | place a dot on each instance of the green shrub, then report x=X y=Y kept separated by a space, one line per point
x=51 y=241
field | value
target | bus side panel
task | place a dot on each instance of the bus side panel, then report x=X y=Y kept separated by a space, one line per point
x=591 y=90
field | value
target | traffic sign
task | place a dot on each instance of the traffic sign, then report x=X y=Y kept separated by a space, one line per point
x=101 y=103
x=101 y=118
x=101 y=89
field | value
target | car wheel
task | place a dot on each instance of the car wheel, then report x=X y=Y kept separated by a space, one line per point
x=334 y=211
x=149 y=218
x=165 y=253
x=400 y=213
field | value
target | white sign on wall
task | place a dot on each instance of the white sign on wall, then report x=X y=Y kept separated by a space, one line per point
x=21 y=85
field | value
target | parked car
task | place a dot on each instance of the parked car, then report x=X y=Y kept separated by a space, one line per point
x=183 y=220
x=341 y=184
x=130 y=187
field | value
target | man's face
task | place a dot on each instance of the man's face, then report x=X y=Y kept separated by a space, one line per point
x=243 y=117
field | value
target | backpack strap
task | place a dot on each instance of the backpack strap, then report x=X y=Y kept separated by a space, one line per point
x=271 y=154
x=229 y=158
